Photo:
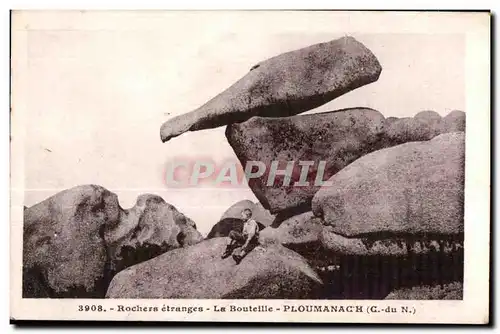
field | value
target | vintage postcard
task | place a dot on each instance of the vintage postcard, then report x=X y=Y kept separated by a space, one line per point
x=250 y=166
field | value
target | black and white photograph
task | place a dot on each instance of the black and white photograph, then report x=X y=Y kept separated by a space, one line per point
x=289 y=166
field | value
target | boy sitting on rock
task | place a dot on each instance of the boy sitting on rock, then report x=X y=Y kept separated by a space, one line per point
x=248 y=239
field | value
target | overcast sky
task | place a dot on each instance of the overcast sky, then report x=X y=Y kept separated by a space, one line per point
x=96 y=97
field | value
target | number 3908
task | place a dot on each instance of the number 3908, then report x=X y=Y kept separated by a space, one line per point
x=90 y=308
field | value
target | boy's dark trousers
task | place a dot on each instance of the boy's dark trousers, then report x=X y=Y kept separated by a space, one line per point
x=238 y=240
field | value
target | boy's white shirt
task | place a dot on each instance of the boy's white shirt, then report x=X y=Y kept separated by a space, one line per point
x=250 y=227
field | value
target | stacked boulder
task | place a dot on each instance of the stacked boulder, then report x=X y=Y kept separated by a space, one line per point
x=75 y=241
x=403 y=203
x=391 y=211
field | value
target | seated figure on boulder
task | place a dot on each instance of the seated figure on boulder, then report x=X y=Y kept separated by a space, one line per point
x=248 y=239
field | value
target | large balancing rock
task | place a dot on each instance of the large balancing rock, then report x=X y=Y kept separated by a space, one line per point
x=412 y=189
x=335 y=138
x=196 y=272
x=285 y=85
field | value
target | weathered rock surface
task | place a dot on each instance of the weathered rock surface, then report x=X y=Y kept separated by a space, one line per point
x=148 y=229
x=391 y=119
x=301 y=233
x=337 y=138
x=411 y=189
x=390 y=245
x=450 y=291
x=375 y=277
x=77 y=239
x=270 y=272
x=260 y=214
x=235 y=210
x=285 y=85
